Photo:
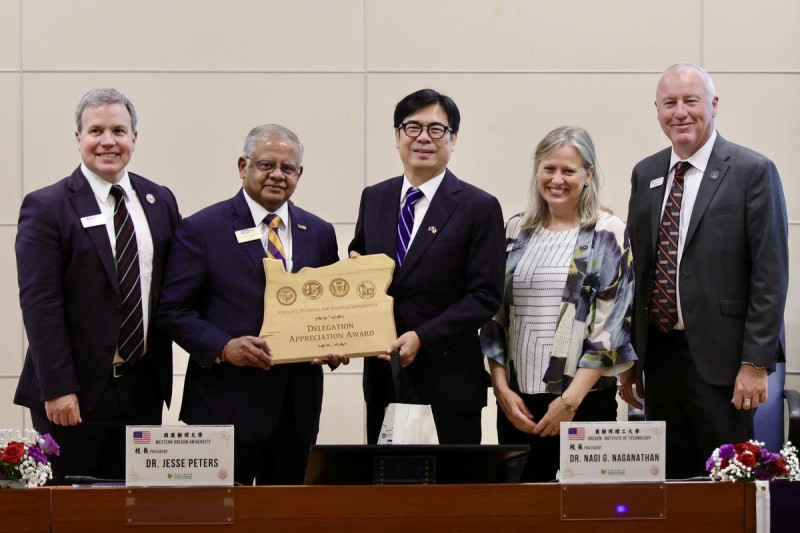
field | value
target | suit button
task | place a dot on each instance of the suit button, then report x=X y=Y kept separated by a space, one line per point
x=112 y=348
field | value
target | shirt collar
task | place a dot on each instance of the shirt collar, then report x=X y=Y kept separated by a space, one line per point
x=699 y=159
x=102 y=188
x=428 y=188
x=259 y=212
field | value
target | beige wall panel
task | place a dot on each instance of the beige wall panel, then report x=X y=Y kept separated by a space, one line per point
x=504 y=117
x=11 y=182
x=749 y=35
x=771 y=127
x=170 y=416
x=11 y=330
x=342 y=420
x=11 y=416
x=345 y=232
x=489 y=419
x=520 y=34
x=792 y=314
x=192 y=128
x=9 y=34
x=184 y=34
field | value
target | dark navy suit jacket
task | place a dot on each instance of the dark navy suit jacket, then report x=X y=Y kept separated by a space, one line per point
x=213 y=292
x=69 y=291
x=450 y=284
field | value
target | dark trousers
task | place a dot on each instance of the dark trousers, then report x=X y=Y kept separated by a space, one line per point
x=96 y=446
x=544 y=457
x=280 y=460
x=699 y=416
x=451 y=428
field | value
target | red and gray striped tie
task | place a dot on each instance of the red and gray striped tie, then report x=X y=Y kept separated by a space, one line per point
x=664 y=302
x=131 y=333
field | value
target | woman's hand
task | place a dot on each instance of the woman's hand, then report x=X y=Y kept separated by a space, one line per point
x=515 y=410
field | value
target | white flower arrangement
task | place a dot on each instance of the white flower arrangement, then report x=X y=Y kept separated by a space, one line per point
x=750 y=461
x=24 y=458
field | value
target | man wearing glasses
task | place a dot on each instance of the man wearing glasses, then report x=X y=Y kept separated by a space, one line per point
x=447 y=239
x=213 y=306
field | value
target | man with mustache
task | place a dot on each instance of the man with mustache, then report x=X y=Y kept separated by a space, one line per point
x=213 y=306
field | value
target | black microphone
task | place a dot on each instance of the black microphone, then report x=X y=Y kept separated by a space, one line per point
x=91 y=480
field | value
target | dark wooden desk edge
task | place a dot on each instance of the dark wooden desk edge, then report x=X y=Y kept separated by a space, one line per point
x=690 y=507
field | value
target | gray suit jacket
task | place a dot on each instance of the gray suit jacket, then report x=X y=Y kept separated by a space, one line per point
x=734 y=271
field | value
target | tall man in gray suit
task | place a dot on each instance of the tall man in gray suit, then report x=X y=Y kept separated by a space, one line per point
x=708 y=228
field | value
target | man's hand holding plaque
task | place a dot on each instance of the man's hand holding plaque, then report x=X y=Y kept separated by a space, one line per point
x=338 y=309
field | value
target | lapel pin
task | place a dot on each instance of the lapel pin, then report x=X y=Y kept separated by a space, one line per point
x=714 y=175
x=301 y=226
x=150 y=198
x=433 y=229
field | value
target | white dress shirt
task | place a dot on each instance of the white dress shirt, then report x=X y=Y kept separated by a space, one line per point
x=691 y=186
x=144 y=239
x=285 y=235
x=428 y=189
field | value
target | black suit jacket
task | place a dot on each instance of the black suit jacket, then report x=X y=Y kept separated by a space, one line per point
x=450 y=284
x=213 y=292
x=69 y=291
x=734 y=269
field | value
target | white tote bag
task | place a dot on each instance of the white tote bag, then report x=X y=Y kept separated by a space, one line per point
x=406 y=423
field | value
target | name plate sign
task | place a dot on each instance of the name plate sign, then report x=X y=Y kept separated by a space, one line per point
x=341 y=309
x=612 y=452
x=179 y=456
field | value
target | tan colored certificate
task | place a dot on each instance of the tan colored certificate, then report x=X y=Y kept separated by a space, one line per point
x=341 y=309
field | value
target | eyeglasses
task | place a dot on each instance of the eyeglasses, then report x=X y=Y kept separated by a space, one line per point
x=268 y=167
x=415 y=129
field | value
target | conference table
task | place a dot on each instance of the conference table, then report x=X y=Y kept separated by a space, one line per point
x=679 y=507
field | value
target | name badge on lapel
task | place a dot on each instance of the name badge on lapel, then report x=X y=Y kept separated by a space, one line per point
x=515 y=245
x=656 y=182
x=92 y=221
x=249 y=234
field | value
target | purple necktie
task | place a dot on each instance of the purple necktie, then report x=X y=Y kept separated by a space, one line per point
x=131 y=333
x=406 y=223
x=664 y=302
x=274 y=245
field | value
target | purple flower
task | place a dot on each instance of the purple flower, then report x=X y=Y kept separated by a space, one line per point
x=769 y=457
x=726 y=451
x=37 y=455
x=710 y=464
x=761 y=474
x=49 y=445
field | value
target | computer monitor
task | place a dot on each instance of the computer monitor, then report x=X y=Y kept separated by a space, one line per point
x=415 y=464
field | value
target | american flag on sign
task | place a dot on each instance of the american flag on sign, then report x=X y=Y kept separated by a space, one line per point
x=141 y=437
x=576 y=433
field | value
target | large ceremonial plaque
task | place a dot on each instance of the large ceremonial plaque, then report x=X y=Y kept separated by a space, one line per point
x=341 y=309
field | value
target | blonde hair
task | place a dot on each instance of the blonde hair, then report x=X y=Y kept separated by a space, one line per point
x=537 y=215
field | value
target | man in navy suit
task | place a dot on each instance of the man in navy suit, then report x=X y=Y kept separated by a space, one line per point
x=95 y=360
x=213 y=306
x=447 y=239
x=707 y=342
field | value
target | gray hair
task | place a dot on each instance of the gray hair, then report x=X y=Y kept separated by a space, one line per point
x=268 y=131
x=98 y=97
x=682 y=66
x=538 y=213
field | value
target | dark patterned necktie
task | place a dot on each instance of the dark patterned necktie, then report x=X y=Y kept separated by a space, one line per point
x=274 y=245
x=406 y=223
x=131 y=333
x=664 y=304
